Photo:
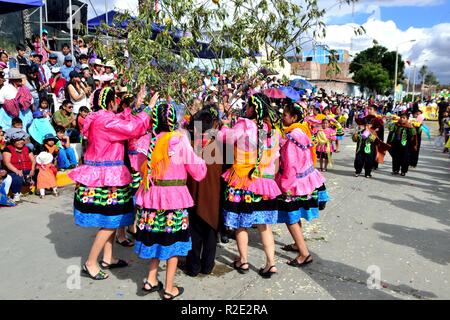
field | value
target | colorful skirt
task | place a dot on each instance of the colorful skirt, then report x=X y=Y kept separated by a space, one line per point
x=243 y=209
x=104 y=207
x=162 y=234
x=291 y=209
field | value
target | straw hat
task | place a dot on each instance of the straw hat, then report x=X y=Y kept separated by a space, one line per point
x=44 y=158
x=110 y=64
x=98 y=62
x=14 y=74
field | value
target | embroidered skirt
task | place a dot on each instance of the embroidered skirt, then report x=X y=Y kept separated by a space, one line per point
x=294 y=208
x=162 y=234
x=105 y=207
x=243 y=209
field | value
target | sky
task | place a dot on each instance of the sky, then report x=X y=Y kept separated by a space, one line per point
x=393 y=23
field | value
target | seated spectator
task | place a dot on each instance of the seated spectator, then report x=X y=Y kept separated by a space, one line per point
x=5 y=185
x=67 y=68
x=19 y=161
x=58 y=83
x=77 y=91
x=2 y=140
x=44 y=109
x=83 y=113
x=66 y=155
x=65 y=117
x=17 y=126
x=52 y=61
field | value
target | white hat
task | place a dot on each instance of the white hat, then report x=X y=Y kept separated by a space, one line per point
x=14 y=74
x=84 y=66
x=56 y=70
x=110 y=64
x=106 y=77
x=98 y=62
x=44 y=158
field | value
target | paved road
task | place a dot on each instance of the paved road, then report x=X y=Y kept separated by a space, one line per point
x=399 y=227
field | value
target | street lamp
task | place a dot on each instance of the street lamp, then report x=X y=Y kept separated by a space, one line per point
x=423 y=84
x=396 y=68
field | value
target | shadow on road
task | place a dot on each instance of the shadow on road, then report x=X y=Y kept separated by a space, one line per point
x=429 y=243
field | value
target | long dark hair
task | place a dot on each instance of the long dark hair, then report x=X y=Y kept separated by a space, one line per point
x=295 y=110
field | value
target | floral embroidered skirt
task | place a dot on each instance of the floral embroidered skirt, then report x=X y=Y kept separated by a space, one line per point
x=293 y=208
x=104 y=207
x=162 y=234
x=243 y=209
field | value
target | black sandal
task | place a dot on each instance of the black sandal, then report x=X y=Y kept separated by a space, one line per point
x=239 y=268
x=267 y=274
x=171 y=296
x=295 y=263
x=290 y=247
x=119 y=264
x=126 y=243
x=133 y=234
x=99 y=276
x=156 y=288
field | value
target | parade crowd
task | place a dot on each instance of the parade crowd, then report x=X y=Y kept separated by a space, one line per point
x=179 y=178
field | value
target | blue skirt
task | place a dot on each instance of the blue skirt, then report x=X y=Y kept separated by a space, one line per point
x=158 y=251
x=236 y=220
x=293 y=217
x=98 y=220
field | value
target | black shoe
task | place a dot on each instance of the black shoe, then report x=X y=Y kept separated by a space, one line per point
x=156 y=288
x=295 y=263
x=118 y=264
x=368 y=176
x=125 y=243
x=171 y=296
x=403 y=174
x=266 y=274
x=190 y=273
x=99 y=276
x=224 y=238
x=239 y=268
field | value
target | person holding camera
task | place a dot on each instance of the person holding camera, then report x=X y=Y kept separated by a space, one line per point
x=20 y=163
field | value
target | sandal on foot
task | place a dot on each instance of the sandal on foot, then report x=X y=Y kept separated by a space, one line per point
x=295 y=263
x=171 y=296
x=239 y=268
x=99 y=276
x=155 y=288
x=267 y=274
x=118 y=264
x=125 y=243
x=290 y=247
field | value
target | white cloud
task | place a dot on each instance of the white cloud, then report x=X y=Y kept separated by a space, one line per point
x=431 y=46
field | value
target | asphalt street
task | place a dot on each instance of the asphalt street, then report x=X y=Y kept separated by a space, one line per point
x=381 y=238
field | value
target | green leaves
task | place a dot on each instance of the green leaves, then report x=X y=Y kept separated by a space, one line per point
x=373 y=77
x=235 y=27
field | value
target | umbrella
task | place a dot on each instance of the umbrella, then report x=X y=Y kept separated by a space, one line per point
x=301 y=84
x=291 y=93
x=274 y=93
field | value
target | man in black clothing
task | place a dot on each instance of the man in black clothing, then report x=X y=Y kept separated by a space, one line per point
x=22 y=61
x=443 y=106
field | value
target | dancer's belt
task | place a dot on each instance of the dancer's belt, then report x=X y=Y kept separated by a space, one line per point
x=169 y=183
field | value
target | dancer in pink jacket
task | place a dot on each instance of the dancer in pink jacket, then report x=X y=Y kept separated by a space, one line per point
x=163 y=198
x=102 y=194
x=303 y=186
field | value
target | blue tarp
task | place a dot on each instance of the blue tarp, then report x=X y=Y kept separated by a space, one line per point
x=18 y=5
x=301 y=84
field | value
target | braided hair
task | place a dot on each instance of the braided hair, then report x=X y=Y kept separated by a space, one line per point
x=261 y=105
x=107 y=95
x=295 y=110
x=163 y=119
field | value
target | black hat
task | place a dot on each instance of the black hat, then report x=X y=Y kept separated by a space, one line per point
x=74 y=74
x=50 y=136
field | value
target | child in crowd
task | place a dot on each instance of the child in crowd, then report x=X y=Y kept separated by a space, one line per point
x=66 y=154
x=163 y=198
x=365 y=148
x=17 y=124
x=50 y=146
x=324 y=138
x=46 y=178
x=44 y=108
x=82 y=114
x=302 y=186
